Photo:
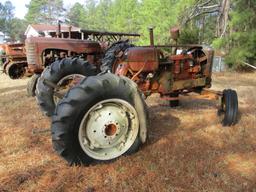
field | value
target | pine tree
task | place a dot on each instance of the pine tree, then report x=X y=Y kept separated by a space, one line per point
x=124 y=16
x=76 y=15
x=44 y=11
x=240 y=42
x=6 y=15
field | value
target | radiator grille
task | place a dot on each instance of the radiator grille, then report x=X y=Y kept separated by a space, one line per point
x=31 y=53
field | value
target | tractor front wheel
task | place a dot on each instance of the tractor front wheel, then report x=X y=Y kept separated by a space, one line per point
x=15 y=70
x=57 y=79
x=229 y=108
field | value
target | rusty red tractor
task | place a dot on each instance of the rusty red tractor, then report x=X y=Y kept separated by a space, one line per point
x=14 y=59
x=87 y=44
x=104 y=115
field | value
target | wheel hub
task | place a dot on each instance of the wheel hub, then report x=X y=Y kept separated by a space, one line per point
x=108 y=129
x=104 y=127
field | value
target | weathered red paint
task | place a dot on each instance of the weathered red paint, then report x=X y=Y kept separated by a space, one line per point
x=42 y=51
x=14 y=55
x=37 y=46
x=145 y=58
x=189 y=67
x=122 y=69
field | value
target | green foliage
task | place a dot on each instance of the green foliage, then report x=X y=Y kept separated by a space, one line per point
x=129 y=16
x=162 y=14
x=235 y=56
x=241 y=41
x=44 y=11
x=18 y=27
x=209 y=30
x=76 y=14
x=202 y=27
x=6 y=15
x=189 y=36
x=218 y=43
x=10 y=26
x=158 y=14
x=122 y=18
x=102 y=15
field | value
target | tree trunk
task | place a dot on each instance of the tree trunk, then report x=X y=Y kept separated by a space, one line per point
x=222 y=20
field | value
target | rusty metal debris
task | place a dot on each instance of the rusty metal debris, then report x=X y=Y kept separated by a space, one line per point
x=13 y=58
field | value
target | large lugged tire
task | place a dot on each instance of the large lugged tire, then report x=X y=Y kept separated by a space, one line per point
x=111 y=53
x=31 y=85
x=15 y=70
x=54 y=75
x=229 y=107
x=100 y=119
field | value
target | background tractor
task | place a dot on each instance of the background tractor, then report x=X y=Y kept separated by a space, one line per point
x=43 y=51
x=104 y=116
x=13 y=58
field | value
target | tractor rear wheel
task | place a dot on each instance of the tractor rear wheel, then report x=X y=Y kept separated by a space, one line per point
x=111 y=55
x=15 y=70
x=31 y=85
x=229 y=107
x=57 y=79
x=100 y=119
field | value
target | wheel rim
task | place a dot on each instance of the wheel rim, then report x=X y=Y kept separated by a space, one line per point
x=108 y=129
x=65 y=84
x=16 y=71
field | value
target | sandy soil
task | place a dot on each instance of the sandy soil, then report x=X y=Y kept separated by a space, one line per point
x=187 y=148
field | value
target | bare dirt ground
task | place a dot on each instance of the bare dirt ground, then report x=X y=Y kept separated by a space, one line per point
x=187 y=149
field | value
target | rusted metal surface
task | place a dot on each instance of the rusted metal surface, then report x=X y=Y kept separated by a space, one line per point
x=183 y=64
x=14 y=49
x=151 y=36
x=207 y=94
x=42 y=51
x=106 y=36
x=209 y=54
x=188 y=84
x=122 y=69
x=107 y=33
x=178 y=46
x=165 y=82
x=170 y=73
x=59 y=30
x=14 y=59
x=148 y=66
x=143 y=58
x=175 y=33
x=155 y=72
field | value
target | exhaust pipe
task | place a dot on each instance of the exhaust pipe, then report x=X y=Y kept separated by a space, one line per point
x=175 y=33
x=69 y=31
x=151 y=36
x=59 y=29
